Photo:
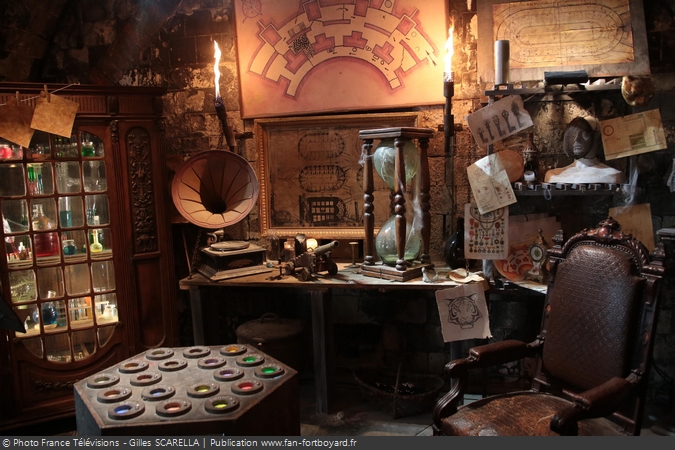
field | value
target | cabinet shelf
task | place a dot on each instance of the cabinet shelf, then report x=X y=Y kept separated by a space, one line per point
x=557 y=189
x=557 y=92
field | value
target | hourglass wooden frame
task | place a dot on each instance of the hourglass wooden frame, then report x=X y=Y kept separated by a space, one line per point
x=403 y=270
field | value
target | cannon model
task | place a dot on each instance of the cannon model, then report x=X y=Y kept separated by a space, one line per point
x=313 y=261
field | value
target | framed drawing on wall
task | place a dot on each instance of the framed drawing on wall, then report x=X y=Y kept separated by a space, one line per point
x=606 y=38
x=312 y=57
x=311 y=176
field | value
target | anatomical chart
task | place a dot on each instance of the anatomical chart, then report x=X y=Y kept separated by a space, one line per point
x=310 y=56
x=603 y=37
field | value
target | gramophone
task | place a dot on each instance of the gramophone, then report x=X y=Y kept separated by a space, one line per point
x=215 y=189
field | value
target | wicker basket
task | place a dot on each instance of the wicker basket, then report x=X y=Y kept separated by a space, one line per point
x=416 y=393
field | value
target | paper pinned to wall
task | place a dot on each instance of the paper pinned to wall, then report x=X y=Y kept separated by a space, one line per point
x=633 y=134
x=463 y=312
x=55 y=115
x=486 y=236
x=490 y=184
x=636 y=220
x=499 y=120
x=15 y=121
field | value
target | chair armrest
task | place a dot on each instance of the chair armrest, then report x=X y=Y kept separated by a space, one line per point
x=479 y=357
x=491 y=355
x=599 y=401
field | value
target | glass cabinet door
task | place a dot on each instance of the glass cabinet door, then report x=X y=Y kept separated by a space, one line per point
x=58 y=244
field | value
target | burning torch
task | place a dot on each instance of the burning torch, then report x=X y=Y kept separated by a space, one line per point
x=448 y=92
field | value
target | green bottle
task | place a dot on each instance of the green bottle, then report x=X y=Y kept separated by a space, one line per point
x=88 y=149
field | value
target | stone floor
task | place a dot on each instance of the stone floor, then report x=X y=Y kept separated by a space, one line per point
x=353 y=415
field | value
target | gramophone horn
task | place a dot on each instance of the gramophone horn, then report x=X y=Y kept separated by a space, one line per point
x=215 y=189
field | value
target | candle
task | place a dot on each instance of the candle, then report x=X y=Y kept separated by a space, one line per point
x=448 y=92
x=502 y=56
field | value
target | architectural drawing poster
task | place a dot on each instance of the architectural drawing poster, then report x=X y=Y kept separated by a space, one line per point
x=463 y=312
x=307 y=56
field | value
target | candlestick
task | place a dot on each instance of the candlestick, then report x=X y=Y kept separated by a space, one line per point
x=221 y=112
x=222 y=115
x=448 y=118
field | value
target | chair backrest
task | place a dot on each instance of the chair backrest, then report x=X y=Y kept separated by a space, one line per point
x=600 y=314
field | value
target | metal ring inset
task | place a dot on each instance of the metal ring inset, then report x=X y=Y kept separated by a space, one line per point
x=268 y=371
x=196 y=352
x=250 y=360
x=136 y=365
x=247 y=387
x=203 y=390
x=146 y=379
x=159 y=353
x=211 y=362
x=174 y=407
x=159 y=392
x=233 y=350
x=172 y=365
x=221 y=404
x=228 y=374
x=126 y=410
x=114 y=395
x=102 y=380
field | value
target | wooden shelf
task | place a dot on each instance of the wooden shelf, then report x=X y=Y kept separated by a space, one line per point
x=545 y=189
x=556 y=91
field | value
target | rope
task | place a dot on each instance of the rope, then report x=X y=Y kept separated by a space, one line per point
x=37 y=96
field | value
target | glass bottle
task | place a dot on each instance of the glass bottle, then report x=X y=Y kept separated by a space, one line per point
x=88 y=149
x=531 y=160
x=95 y=246
x=454 y=247
x=45 y=243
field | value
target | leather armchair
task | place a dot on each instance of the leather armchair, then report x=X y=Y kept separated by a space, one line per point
x=592 y=353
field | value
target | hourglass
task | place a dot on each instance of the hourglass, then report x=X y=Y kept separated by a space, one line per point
x=398 y=243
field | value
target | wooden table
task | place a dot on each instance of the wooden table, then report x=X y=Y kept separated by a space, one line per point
x=320 y=291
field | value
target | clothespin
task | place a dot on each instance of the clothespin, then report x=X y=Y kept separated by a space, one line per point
x=17 y=97
x=47 y=94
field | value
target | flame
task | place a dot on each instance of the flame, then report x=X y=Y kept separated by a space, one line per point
x=449 y=50
x=216 y=71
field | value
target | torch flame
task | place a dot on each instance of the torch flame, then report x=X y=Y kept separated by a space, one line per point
x=449 y=49
x=216 y=71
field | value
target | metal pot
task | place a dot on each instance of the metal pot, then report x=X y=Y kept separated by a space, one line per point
x=280 y=338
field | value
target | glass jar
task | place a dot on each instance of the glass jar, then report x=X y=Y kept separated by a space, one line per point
x=385 y=242
x=69 y=247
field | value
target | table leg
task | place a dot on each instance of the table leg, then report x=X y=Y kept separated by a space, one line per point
x=197 y=318
x=322 y=329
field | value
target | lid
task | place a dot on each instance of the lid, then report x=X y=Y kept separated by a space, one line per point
x=270 y=327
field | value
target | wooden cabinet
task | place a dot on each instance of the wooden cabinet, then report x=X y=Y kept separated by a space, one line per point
x=87 y=264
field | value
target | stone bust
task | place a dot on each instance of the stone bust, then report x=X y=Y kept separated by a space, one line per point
x=582 y=142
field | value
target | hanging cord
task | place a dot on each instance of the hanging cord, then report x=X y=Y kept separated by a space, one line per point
x=37 y=96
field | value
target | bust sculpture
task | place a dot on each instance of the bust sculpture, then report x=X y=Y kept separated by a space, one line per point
x=582 y=142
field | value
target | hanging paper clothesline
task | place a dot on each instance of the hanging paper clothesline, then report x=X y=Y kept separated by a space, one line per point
x=52 y=114
x=55 y=90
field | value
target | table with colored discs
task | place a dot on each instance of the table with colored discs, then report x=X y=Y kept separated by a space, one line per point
x=233 y=390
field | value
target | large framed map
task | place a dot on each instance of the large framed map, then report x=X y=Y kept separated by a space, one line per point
x=311 y=176
x=316 y=56
x=603 y=37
